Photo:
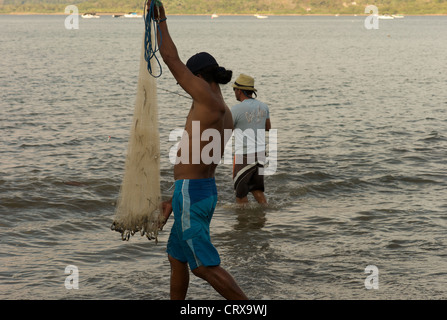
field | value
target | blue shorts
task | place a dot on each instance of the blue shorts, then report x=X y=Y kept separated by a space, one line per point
x=193 y=204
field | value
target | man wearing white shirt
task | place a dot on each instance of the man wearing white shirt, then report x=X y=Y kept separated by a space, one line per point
x=251 y=119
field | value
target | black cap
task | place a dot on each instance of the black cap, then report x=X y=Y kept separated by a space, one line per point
x=200 y=61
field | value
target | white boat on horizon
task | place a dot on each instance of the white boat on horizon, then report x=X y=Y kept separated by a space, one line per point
x=132 y=15
x=386 y=17
x=397 y=16
x=260 y=17
x=214 y=16
x=90 y=15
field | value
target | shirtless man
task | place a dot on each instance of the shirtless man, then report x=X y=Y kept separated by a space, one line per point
x=195 y=194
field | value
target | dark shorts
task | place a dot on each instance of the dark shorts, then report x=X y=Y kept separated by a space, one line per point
x=246 y=176
x=193 y=204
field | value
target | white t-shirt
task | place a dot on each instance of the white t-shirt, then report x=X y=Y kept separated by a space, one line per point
x=249 y=119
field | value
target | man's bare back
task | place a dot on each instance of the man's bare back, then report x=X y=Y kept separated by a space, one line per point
x=219 y=120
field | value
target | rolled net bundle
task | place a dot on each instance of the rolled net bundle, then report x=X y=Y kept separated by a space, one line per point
x=138 y=206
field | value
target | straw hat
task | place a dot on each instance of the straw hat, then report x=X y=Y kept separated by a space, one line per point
x=245 y=82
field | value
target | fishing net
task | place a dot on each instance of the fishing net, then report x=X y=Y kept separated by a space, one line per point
x=138 y=206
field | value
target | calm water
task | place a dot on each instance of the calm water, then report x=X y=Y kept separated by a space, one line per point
x=362 y=147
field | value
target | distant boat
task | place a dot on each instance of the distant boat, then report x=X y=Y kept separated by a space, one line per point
x=386 y=17
x=89 y=15
x=397 y=16
x=117 y=16
x=260 y=17
x=214 y=16
x=132 y=15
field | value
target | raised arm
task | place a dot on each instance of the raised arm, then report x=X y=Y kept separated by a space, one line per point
x=193 y=85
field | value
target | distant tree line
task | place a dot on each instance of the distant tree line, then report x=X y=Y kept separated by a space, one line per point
x=230 y=6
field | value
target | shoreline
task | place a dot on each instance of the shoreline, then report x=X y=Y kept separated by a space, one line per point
x=221 y=14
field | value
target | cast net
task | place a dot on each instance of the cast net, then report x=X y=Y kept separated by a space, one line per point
x=138 y=207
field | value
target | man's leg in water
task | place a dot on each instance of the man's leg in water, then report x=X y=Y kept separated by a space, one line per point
x=243 y=200
x=221 y=281
x=179 y=279
x=259 y=196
